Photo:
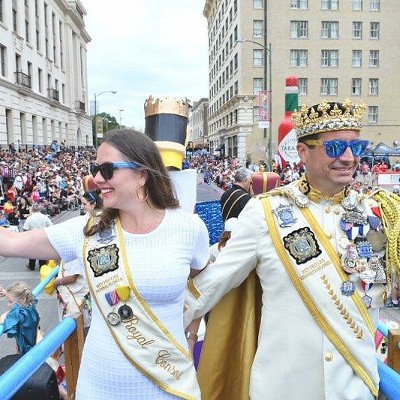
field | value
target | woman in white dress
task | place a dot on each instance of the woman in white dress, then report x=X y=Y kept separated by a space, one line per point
x=138 y=255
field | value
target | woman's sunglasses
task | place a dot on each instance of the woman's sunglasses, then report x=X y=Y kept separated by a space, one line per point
x=336 y=148
x=107 y=169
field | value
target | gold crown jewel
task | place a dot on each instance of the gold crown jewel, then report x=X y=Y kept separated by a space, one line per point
x=328 y=117
x=166 y=105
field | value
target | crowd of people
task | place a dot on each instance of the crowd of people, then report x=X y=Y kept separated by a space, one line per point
x=44 y=176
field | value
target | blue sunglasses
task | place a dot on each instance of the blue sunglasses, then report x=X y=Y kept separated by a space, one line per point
x=336 y=148
x=107 y=169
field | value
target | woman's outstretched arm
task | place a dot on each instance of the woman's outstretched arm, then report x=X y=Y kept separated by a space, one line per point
x=29 y=244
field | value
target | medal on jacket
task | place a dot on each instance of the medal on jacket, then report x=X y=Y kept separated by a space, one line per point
x=367 y=300
x=348 y=288
x=125 y=312
x=349 y=259
x=375 y=265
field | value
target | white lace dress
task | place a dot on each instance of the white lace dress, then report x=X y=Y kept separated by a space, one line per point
x=160 y=262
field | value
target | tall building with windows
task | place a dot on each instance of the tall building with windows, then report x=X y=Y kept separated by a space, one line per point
x=337 y=48
x=197 y=126
x=43 y=73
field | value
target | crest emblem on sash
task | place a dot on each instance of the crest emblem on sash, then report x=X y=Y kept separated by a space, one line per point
x=284 y=213
x=106 y=236
x=302 y=245
x=103 y=259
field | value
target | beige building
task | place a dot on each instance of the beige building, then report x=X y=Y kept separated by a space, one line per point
x=336 y=48
x=43 y=73
x=197 y=126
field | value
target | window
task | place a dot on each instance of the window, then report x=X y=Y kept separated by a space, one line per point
x=374 y=5
x=27 y=21
x=298 y=29
x=3 y=58
x=357 y=5
x=356 y=58
x=258 y=57
x=330 y=4
x=299 y=4
x=357 y=30
x=258 y=85
x=374 y=58
x=46 y=32
x=373 y=87
x=14 y=16
x=329 y=58
x=255 y=115
x=303 y=86
x=356 y=86
x=374 y=30
x=258 y=28
x=40 y=80
x=60 y=33
x=372 y=113
x=329 y=29
x=258 y=4
x=298 y=58
x=329 y=87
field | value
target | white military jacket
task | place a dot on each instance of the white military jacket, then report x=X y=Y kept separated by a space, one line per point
x=295 y=360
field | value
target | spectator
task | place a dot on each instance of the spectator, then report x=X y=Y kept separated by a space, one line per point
x=234 y=199
x=22 y=319
x=36 y=220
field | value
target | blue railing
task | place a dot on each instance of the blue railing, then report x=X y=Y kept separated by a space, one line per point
x=14 y=378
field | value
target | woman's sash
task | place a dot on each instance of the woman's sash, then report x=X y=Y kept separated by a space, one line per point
x=140 y=335
x=315 y=272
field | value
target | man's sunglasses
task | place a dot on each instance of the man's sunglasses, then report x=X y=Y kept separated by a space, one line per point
x=107 y=169
x=336 y=148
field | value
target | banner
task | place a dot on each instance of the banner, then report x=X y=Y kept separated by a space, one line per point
x=263 y=109
x=99 y=124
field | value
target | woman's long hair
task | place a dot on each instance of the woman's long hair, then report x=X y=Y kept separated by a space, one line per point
x=139 y=148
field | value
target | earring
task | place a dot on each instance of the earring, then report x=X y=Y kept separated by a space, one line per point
x=138 y=195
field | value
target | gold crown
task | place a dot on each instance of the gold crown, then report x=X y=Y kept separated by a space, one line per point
x=328 y=117
x=166 y=105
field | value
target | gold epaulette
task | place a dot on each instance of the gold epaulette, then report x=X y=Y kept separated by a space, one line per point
x=389 y=204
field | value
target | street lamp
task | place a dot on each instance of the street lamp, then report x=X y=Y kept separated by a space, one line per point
x=120 y=118
x=95 y=114
x=267 y=87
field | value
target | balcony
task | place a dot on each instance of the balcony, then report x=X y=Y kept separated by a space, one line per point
x=80 y=106
x=23 y=79
x=53 y=94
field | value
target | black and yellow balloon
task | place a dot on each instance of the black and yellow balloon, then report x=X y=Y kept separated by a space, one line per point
x=166 y=120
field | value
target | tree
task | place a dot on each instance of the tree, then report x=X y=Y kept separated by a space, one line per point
x=109 y=122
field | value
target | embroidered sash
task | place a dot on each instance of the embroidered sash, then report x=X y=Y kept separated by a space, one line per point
x=142 y=338
x=316 y=274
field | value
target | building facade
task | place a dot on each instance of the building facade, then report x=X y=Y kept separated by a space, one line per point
x=43 y=73
x=197 y=126
x=336 y=48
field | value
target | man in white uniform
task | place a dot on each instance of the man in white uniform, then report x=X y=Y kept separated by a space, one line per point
x=318 y=251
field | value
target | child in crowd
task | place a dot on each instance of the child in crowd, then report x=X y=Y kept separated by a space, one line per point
x=22 y=319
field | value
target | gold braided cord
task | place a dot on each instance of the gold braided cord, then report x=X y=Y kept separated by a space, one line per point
x=389 y=204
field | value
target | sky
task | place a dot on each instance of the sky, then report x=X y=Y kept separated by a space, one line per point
x=140 y=48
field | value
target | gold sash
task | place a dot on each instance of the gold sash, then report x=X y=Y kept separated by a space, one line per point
x=333 y=317
x=143 y=339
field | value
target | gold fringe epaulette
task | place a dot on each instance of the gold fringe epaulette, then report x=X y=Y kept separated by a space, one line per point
x=389 y=204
